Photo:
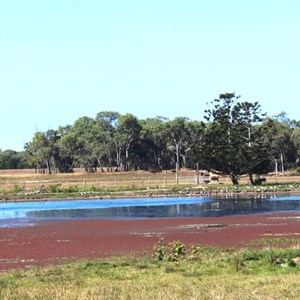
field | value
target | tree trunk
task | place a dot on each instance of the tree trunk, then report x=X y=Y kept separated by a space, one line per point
x=183 y=160
x=251 y=180
x=126 y=158
x=99 y=162
x=48 y=166
x=282 y=166
x=118 y=158
x=197 y=170
x=234 y=179
x=177 y=155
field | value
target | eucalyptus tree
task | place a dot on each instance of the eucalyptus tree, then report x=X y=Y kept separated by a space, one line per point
x=182 y=135
x=68 y=150
x=52 y=137
x=233 y=145
x=10 y=159
x=88 y=138
x=296 y=141
x=278 y=134
x=177 y=135
x=107 y=121
x=127 y=133
x=154 y=153
x=42 y=151
x=196 y=139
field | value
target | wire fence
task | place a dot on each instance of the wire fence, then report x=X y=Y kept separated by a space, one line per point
x=99 y=183
x=159 y=181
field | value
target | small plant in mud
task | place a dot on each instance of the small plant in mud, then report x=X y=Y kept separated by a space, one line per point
x=173 y=251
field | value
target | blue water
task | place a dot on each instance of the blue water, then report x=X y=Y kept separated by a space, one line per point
x=28 y=213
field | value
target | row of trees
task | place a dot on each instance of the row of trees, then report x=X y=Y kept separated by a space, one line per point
x=237 y=138
x=10 y=159
x=117 y=142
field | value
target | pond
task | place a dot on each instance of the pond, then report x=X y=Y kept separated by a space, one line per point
x=28 y=213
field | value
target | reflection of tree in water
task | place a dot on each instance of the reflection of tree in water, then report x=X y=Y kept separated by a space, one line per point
x=207 y=209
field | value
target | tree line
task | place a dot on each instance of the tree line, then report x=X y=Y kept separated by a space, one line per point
x=237 y=138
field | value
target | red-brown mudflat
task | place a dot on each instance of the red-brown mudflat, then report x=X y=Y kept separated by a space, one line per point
x=50 y=242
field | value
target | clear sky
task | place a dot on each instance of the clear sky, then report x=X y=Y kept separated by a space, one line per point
x=64 y=59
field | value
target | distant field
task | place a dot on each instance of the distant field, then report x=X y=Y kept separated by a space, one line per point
x=29 y=179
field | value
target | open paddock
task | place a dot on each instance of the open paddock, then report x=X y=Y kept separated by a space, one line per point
x=30 y=180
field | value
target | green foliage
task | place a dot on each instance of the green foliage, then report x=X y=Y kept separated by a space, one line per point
x=236 y=140
x=54 y=188
x=71 y=189
x=160 y=250
x=169 y=252
x=233 y=144
x=284 y=256
x=246 y=260
x=10 y=159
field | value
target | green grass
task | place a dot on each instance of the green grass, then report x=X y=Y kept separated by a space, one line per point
x=198 y=273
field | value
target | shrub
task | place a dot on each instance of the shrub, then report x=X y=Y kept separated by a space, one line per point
x=170 y=252
x=54 y=188
x=71 y=189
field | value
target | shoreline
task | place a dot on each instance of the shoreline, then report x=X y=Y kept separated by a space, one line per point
x=213 y=193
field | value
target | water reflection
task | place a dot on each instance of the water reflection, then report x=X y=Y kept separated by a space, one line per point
x=213 y=208
x=29 y=212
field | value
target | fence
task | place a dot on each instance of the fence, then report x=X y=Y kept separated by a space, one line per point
x=32 y=183
x=98 y=183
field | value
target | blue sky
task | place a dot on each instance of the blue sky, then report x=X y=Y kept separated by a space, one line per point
x=64 y=59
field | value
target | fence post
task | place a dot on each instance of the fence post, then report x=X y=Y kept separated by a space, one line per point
x=116 y=182
x=98 y=184
x=84 y=183
x=165 y=179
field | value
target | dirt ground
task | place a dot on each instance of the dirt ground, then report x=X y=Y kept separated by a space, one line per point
x=51 y=242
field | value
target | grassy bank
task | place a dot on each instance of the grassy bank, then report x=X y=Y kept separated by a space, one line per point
x=172 y=272
x=56 y=191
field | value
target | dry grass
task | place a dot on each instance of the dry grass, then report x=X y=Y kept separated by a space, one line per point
x=28 y=181
x=31 y=180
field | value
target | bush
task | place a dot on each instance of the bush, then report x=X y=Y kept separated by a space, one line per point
x=71 y=189
x=170 y=252
x=54 y=188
